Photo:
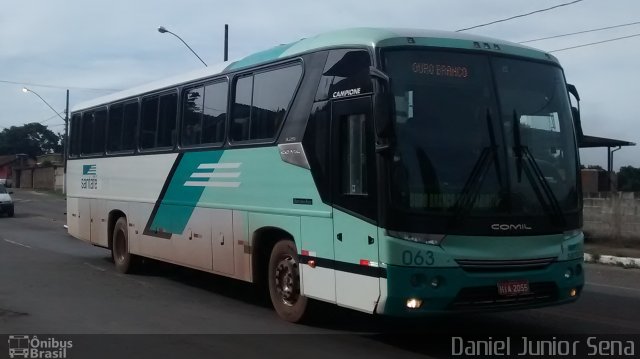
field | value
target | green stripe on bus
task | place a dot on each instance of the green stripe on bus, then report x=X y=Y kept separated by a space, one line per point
x=179 y=201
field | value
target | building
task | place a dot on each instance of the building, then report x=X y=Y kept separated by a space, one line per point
x=7 y=162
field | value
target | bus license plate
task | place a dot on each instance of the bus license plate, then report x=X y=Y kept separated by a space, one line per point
x=513 y=287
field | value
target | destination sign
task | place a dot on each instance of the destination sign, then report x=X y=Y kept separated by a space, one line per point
x=440 y=70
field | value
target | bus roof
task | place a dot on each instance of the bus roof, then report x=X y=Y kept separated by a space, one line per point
x=356 y=37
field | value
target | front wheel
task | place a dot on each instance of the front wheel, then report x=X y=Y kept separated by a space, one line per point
x=125 y=261
x=284 y=282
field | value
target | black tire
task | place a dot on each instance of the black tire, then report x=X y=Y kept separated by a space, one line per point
x=284 y=282
x=10 y=213
x=125 y=262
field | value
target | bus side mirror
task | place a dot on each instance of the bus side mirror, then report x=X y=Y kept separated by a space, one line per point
x=575 y=113
x=382 y=103
x=574 y=91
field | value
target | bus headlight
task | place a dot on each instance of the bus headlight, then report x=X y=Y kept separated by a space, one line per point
x=568 y=273
x=427 y=238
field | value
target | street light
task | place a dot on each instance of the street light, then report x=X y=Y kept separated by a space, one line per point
x=162 y=30
x=66 y=132
x=25 y=90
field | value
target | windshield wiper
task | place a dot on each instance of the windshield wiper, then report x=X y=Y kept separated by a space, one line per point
x=537 y=179
x=474 y=182
x=517 y=145
x=555 y=210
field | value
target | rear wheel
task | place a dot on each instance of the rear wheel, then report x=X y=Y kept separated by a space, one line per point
x=284 y=282
x=125 y=261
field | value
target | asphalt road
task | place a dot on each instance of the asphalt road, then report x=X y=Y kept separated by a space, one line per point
x=51 y=283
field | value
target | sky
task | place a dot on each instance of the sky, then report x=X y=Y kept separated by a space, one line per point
x=95 y=47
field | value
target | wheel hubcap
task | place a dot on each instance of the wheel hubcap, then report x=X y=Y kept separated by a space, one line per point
x=287 y=279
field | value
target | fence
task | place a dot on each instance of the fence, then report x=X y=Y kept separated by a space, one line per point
x=613 y=216
x=48 y=177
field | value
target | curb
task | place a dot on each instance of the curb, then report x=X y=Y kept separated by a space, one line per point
x=627 y=262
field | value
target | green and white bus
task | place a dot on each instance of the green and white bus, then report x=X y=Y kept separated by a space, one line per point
x=397 y=172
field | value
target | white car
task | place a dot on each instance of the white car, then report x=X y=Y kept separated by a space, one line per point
x=6 y=203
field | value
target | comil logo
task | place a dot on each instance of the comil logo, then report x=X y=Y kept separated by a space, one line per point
x=511 y=227
x=32 y=347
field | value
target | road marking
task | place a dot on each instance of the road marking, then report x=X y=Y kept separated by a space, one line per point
x=613 y=286
x=95 y=267
x=17 y=244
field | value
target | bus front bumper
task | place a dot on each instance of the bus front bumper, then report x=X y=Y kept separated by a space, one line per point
x=455 y=289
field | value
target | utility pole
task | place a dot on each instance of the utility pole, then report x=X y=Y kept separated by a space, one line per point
x=226 y=42
x=66 y=131
x=65 y=148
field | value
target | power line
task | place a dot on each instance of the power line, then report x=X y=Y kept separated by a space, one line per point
x=518 y=16
x=581 y=32
x=57 y=87
x=52 y=117
x=595 y=43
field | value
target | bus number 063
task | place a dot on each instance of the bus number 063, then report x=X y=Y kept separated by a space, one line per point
x=417 y=258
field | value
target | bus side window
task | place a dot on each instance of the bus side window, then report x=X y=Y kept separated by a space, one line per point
x=242 y=109
x=74 y=149
x=129 y=125
x=261 y=102
x=149 y=122
x=168 y=108
x=269 y=106
x=193 y=101
x=114 y=128
x=214 y=112
x=87 y=133
x=204 y=114
x=99 y=129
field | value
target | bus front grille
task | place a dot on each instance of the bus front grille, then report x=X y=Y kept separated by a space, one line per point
x=487 y=297
x=472 y=265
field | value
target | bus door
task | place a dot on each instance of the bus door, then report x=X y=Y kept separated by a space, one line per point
x=354 y=204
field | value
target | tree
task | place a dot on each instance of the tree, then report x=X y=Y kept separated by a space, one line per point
x=33 y=139
x=629 y=179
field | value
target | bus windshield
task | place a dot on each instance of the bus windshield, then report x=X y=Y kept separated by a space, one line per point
x=480 y=135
